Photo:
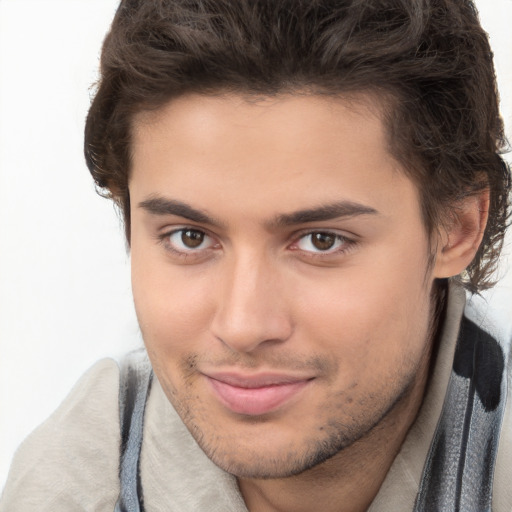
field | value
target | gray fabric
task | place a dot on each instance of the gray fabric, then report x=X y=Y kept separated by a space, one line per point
x=134 y=385
x=459 y=470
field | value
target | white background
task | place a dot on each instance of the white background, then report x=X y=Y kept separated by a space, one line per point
x=65 y=298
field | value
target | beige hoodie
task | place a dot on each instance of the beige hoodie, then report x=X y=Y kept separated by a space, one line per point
x=70 y=463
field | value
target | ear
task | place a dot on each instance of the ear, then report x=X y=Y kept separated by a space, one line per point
x=460 y=239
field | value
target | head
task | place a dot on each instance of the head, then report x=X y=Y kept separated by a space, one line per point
x=296 y=177
x=429 y=63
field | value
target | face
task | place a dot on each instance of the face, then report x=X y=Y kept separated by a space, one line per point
x=280 y=274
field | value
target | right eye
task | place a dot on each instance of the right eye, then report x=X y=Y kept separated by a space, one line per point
x=187 y=240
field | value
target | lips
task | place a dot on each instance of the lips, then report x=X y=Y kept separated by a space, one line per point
x=255 y=395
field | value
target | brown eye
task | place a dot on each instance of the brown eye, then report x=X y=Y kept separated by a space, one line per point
x=192 y=238
x=188 y=240
x=323 y=241
x=193 y=244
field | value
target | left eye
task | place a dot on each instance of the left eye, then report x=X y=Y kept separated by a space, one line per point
x=320 y=241
x=184 y=240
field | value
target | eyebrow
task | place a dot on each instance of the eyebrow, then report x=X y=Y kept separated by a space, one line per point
x=322 y=213
x=163 y=206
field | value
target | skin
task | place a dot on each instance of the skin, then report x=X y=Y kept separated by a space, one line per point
x=248 y=291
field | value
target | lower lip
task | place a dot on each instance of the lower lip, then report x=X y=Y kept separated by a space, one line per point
x=255 y=401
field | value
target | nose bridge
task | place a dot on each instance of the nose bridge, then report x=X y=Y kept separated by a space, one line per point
x=250 y=308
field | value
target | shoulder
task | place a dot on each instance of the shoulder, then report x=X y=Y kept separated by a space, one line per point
x=70 y=462
x=484 y=315
x=502 y=494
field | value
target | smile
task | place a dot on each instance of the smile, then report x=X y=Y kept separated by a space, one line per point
x=254 y=396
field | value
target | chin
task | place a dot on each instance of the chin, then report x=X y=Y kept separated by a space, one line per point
x=279 y=456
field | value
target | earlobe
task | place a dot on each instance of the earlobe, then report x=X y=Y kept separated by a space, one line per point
x=460 y=239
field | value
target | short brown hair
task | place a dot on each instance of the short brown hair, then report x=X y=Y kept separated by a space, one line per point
x=430 y=59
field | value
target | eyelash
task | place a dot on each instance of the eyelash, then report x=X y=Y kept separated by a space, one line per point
x=164 y=239
x=346 y=243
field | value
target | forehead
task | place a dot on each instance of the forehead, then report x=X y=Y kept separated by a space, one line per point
x=293 y=150
x=289 y=117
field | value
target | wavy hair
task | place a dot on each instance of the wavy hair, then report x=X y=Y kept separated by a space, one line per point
x=428 y=60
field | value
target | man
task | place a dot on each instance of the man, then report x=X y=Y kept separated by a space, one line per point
x=306 y=187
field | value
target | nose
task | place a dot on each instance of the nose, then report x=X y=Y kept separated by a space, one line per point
x=251 y=309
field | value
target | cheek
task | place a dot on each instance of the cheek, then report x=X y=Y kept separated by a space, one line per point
x=172 y=309
x=370 y=315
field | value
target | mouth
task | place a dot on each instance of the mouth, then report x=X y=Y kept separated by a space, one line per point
x=256 y=394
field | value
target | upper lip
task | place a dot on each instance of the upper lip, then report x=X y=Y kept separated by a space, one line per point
x=259 y=380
